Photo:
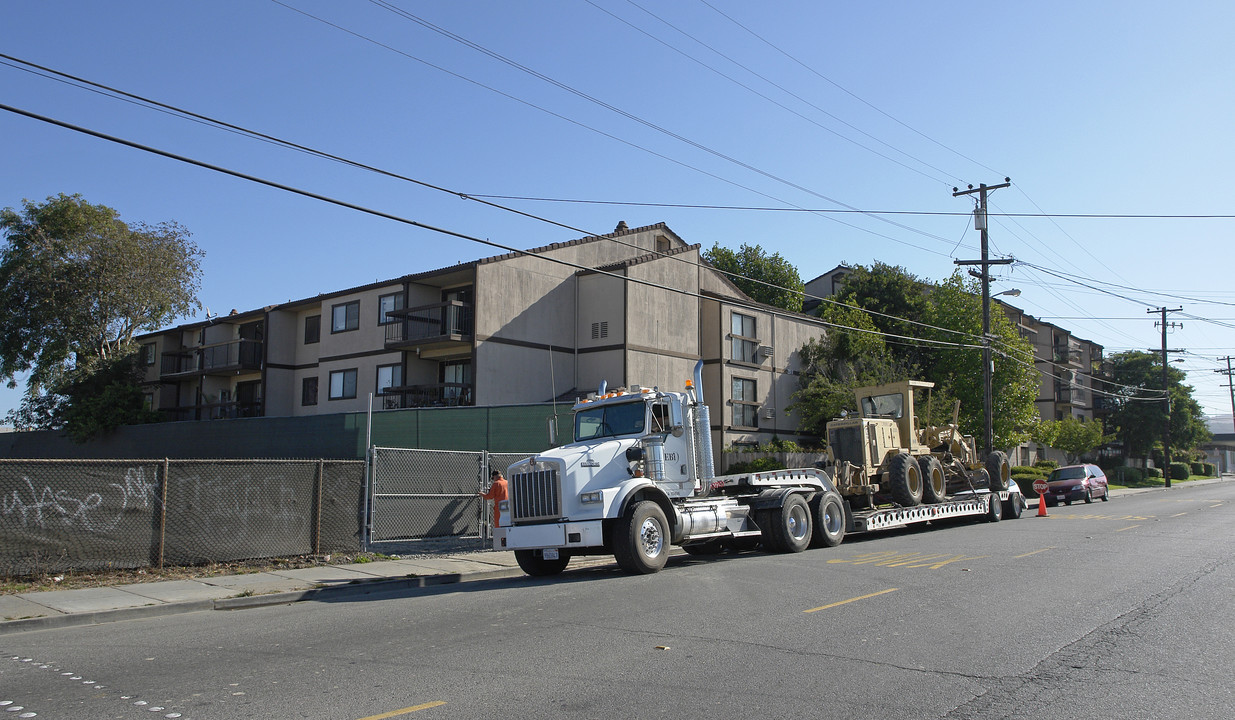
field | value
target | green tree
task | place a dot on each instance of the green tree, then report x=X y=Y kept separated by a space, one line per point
x=954 y=314
x=1138 y=418
x=853 y=354
x=768 y=279
x=946 y=320
x=1074 y=436
x=76 y=284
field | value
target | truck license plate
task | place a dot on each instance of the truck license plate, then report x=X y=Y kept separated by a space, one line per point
x=550 y=553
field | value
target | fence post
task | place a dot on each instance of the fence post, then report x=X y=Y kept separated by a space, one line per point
x=163 y=511
x=317 y=524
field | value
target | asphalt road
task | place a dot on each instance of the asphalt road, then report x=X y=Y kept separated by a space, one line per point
x=1104 y=610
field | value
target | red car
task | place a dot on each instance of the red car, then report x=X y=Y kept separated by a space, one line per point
x=1076 y=482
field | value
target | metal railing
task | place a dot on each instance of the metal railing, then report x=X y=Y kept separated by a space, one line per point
x=440 y=321
x=242 y=354
x=431 y=395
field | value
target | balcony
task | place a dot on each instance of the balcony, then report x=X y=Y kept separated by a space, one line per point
x=434 y=395
x=229 y=358
x=215 y=411
x=441 y=330
x=1066 y=355
x=1075 y=396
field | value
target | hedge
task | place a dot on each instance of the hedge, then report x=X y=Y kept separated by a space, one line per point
x=1153 y=472
x=1180 y=471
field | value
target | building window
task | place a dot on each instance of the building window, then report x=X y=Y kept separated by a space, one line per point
x=745 y=344
x=312 y=329
x=147 y=354
x=389 y=376
x=745 y=403
x=345 y=317
x=343 y=384
x=385 y=304
x=308 y=391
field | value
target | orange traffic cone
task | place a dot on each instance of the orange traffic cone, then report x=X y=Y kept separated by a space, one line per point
x=1042 y=505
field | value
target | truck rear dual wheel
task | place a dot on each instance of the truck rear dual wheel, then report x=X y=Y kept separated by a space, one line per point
x=787 y=528
x=906 y=480
x=935 y=487
x=641 y=539
x=533 y=563
x=827 y=512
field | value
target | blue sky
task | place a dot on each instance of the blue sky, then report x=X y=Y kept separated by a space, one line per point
x=1090 y=107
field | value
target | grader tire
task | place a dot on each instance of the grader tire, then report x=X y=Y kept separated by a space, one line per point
x=1000 y=470
x=906 y=480
x=935 y=486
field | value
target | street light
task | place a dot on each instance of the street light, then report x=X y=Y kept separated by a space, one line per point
x=1010 y=293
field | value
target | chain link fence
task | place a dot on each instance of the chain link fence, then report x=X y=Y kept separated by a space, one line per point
x=429 y=496
x=58 y=515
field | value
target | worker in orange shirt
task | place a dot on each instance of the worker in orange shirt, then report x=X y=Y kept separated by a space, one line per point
x=496 y=493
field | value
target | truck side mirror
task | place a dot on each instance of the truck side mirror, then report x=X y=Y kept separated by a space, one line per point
x=676 y=422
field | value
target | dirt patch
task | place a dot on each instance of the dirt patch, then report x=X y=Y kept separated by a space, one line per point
x=74 y=580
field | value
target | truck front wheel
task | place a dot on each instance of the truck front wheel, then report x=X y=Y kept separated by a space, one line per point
x=533 y=562
x=641 y=539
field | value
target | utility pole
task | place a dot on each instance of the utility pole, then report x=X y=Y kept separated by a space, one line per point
x=1230 y=382
x=980 y=224
x=1166 y=392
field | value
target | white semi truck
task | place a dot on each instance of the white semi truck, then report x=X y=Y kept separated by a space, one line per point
x=638 y=478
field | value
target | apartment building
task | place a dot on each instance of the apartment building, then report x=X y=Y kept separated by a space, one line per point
x=636 y=306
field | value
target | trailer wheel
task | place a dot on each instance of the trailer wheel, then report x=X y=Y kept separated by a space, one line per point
x=994 y=512
x=1000 y=470
x=906 y=479
x=1012 y=508
x=827 y=512
x=934 y=489
x=787 y=528
x=533 y=562
x=641 y=539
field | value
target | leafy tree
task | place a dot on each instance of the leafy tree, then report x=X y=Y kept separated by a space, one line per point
x=852 y=354
x=768 y=279
x=948 y=314
x=954 y=312
x=76 y=284
x=1072 y=435
x=1138 y=417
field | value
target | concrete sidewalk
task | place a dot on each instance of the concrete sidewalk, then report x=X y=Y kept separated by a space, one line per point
x=62 y=608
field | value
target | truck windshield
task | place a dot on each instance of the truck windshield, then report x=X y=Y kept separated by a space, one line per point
x=892 y=406
x=609 y=420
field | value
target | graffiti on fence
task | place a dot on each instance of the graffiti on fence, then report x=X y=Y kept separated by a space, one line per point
x=93 y=512
x=240 y=498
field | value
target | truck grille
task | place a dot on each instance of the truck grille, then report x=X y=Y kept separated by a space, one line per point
x=846 y=443
x=536 y=495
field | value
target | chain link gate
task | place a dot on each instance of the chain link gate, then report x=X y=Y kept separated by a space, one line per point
x=430 y=495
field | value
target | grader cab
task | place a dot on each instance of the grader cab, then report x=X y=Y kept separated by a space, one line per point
x=882 y=455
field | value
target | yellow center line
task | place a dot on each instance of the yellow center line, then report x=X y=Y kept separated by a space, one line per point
x=404 y=711
x=842 y=602
x=1127 y=528
x=1035 y=552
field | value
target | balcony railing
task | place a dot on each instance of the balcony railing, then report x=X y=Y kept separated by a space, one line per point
x=225 y=357
x=435 y=395
x=1064 y=354
x=215 y=411
x=450 y=320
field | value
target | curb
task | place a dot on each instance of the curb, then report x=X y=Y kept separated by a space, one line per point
x=337 y=592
